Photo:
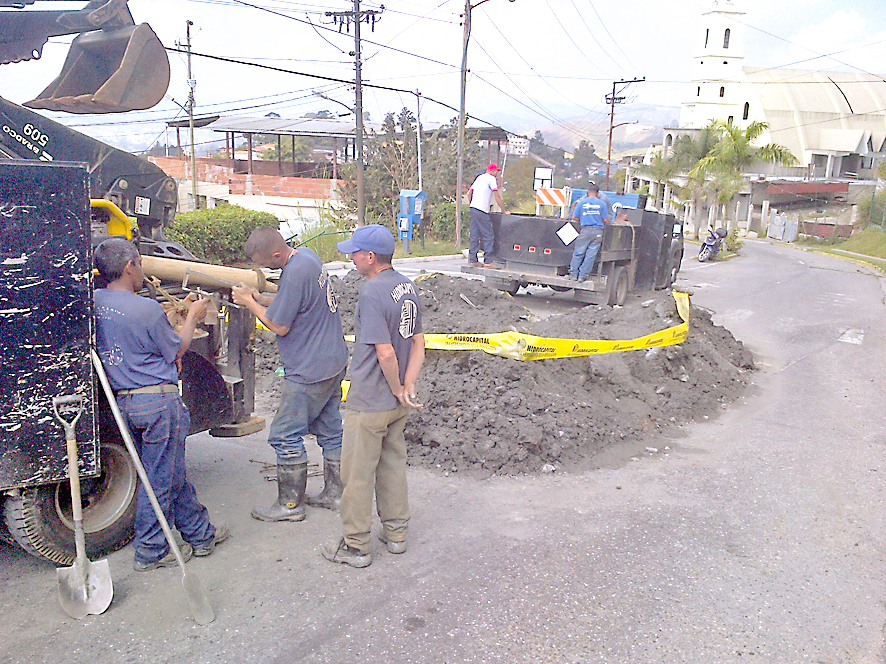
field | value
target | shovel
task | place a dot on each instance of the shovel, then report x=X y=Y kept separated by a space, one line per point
x=197 y=597
x=85 y=587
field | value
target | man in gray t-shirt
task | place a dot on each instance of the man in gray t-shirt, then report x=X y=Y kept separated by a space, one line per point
x=304 y=316
x=388 y=353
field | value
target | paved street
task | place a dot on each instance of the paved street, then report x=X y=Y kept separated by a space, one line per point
x=757 y=533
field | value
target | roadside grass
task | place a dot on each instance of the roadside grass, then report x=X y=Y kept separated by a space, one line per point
x=431 y=248
x=871 y=242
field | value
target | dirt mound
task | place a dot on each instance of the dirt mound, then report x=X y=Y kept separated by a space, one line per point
x=495 y=415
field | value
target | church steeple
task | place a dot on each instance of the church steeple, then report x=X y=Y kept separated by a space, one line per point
x=717 y=66
x=720 y=50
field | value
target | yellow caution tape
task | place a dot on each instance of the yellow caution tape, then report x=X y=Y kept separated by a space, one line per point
x=520 y=346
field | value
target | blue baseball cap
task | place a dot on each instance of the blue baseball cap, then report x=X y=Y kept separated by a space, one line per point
x=374 y=237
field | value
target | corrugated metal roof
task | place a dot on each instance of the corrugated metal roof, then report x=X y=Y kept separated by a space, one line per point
x=291 y=126
x=819 y=110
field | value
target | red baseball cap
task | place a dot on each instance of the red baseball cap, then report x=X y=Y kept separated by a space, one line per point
x=492 y=167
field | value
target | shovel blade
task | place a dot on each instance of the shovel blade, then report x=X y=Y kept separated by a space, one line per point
x=197 y=598
x=85 y=589
x=109 y=71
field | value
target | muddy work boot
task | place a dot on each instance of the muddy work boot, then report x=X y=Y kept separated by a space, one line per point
x=330 y=497
x=339 y=552
x=291 y=482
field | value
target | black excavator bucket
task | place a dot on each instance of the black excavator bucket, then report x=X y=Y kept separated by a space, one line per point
x=109 y=71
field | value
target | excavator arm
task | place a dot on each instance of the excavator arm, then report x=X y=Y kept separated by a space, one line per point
x=138 y=187
x=113 y=65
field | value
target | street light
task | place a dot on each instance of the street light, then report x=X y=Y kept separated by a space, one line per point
x=459 y=180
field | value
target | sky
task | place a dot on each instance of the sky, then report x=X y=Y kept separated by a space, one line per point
x=532 y=62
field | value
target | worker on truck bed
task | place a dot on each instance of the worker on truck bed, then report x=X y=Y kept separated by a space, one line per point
x=304 y=316
x=593 y=213
x=142 y=354
x=482 y=234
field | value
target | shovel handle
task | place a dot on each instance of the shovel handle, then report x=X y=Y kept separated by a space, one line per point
x=75 y=401
x=136 y=460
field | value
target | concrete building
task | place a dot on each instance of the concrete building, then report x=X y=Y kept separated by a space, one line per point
x=833 y=122
x=518 y=145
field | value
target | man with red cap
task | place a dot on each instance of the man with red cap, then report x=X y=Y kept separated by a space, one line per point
x=482 y=233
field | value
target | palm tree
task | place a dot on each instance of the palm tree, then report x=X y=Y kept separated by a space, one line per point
x=661 y=171
x=734 y=153
x=688 y=150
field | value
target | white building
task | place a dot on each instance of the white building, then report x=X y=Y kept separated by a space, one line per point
x=833 y=122
x=518 y=145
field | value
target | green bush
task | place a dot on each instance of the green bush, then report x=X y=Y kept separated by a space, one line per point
x=217 y=235
x=442 y=226
x=733 y=242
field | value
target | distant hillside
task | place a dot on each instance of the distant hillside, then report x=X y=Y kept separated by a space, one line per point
x=648 y=128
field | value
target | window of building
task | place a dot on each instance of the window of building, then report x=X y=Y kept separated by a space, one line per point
x=707 y=33
x=747 y=111
x=729 y=119
x=726 y=38
x=722 y=91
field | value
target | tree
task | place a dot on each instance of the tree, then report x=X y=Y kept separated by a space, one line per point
x=662 y=172
x=582 y=159
x=304 y=147
x=735 y=152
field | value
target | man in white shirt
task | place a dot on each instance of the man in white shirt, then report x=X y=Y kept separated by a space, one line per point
x=482 y=234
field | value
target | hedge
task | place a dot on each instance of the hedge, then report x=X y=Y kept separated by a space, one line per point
x=217 y=235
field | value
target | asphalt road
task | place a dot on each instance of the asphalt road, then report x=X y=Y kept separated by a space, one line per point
x=757 y=534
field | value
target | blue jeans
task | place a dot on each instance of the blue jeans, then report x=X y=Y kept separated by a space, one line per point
x=307 y=409
x=159 y=424
x=585 y=253
x=482 y=237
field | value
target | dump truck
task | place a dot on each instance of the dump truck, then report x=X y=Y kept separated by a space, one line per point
x=61 y=193
x=641 y=250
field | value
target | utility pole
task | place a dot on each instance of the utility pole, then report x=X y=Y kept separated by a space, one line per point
x=612 y=100
x=192 y=83
x=460 y=147
x=418 y=134
x=345 y=19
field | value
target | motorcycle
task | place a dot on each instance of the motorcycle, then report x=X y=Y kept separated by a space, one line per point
x=711 y=245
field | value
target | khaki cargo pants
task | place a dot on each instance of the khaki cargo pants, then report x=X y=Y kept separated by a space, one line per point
x=373 y=460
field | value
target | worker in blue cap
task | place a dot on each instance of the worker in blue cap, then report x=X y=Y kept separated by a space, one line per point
x=389 y=350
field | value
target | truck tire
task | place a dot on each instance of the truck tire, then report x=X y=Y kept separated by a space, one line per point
x=618 y=286
x=39 y=519
x=675 y=268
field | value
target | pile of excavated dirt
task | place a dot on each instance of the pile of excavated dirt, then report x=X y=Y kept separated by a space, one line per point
x=487 y=414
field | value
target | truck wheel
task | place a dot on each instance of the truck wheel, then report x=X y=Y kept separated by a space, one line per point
x=675 y=268
x=618 y=286
x=39 y=519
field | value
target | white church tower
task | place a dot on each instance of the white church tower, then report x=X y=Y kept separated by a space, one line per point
x=718 y=90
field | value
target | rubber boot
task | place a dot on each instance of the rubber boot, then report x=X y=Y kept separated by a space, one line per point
x=330 y=497
x=291 y=482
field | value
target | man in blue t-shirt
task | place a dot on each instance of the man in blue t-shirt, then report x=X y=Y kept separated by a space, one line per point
x=389 y=350
x=593 y=213
x=304 y=316
x=141 y=354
